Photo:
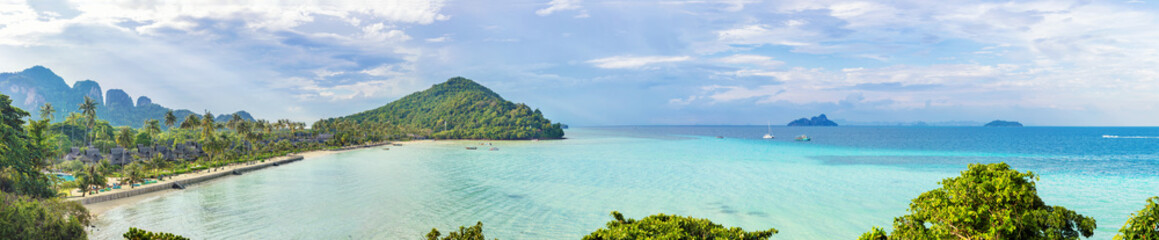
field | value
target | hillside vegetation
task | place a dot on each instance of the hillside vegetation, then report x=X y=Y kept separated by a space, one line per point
x=460 y=109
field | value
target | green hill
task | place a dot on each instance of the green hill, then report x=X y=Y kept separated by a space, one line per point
x=462 y=109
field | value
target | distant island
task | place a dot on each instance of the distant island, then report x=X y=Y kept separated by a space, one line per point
x=458 y=109
x=815 y=121
x=35 y=86
x=1000 y=123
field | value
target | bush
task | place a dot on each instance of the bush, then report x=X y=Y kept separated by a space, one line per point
x=1142 y=225
x=988 y=201
x=661 y=226
x=138 y=234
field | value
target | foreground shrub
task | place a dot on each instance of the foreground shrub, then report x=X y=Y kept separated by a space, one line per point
x=661 y=226
x=988 y=201
x=138 y=234
x=23 y=217
x=464 y=233
x=1143 y=225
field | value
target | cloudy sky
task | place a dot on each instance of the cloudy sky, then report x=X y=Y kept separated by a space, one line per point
x=588 y=62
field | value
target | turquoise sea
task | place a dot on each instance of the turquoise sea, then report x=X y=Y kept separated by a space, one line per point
x=845 y=181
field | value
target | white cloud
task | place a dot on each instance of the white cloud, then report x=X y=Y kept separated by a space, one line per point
x=750 y=59
x=379 y=32
x=560 y=5
x=621 y=62
x=23 y=26
x=444 y=38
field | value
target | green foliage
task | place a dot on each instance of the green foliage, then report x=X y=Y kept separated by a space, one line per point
x=1142 y=225
x=93 y=176
x=661 y=226
x=125 y=137
x=133 y=173
x=464 y=233
x=29 y=208
x=138 y=234
x=21 y=157
x=143 y=138
x=459 y=109
x=988 y=201
x=24 y=217
x=875 y=234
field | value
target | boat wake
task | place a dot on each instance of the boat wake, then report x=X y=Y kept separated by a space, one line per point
x=1117 y=136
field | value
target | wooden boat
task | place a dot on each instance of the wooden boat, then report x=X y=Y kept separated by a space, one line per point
x=472 y=148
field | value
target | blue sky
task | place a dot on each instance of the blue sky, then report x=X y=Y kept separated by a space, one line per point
x=615 y=62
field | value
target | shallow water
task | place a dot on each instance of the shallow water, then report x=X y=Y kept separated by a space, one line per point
x=836 y=187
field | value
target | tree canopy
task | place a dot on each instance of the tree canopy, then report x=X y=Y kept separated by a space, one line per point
x=29 y=208
x=662 y=226
x=988 y=201
x=140 y=234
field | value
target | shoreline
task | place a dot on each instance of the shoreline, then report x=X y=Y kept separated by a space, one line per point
x=103 y=202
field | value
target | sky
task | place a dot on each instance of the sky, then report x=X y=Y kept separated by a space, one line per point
x=584 y=62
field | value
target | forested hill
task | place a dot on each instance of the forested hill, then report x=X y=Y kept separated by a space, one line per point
x=461 y=109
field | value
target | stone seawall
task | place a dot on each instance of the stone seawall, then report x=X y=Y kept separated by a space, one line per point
x=183 y=182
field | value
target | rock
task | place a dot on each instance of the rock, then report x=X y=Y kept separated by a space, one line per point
x=89 y=88
x=118 y=99
x=1000 y=123
x=144 y=101
x=815 y=121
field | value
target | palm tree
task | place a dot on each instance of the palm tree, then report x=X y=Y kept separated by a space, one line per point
x=207 y=125
x=132 y=174
x=46 y=111
x=170 y=119
x=90 y=177
x=245 y=129
x=191 y=121
x=156 y=162
x=125 y=137
x=234 y=120
x=82 y=182
x=152 y=126
x=264 y=125
x=89 y=109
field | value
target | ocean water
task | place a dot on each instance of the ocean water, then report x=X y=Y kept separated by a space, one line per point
x=845 y=181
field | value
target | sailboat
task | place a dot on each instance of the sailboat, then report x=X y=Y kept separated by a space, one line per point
x=769 y=135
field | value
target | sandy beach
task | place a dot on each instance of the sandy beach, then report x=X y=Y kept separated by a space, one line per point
x=96 y=209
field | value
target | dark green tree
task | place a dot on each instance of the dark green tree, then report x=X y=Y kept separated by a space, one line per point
x=22 y=158
x=138 y=234
x=464 y=233
x=662 y=226
x=875 y=234
x=24 y=217
x=988 y=201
